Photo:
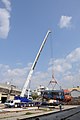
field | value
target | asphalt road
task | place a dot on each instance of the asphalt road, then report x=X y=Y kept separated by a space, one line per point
x=73 y=114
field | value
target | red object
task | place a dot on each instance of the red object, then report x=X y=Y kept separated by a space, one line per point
x=67 y=95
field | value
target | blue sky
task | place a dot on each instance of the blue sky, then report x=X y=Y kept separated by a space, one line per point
x=23 y=26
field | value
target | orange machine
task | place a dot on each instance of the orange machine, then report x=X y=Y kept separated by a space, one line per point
x=67 y=95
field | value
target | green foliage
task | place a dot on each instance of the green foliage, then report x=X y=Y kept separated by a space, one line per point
x=34 y=95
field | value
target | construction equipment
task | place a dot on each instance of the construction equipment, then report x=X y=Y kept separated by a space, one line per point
x=21 y=101
x=33 y=66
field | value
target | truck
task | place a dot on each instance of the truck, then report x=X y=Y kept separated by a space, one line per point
x=21 y=100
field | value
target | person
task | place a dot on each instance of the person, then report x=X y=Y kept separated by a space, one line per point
x=38 y=106
x=60 y=106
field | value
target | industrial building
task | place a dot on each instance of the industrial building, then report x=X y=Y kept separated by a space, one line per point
x=75 y=91
x=8 y=91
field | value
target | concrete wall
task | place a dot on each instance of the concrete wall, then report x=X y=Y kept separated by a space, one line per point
x=8 y=92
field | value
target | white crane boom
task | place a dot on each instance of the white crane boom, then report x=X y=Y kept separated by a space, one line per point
x=33 y=65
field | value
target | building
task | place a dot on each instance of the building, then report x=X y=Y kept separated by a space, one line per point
x=40 y=88
x=8 y=91
x=75 y=91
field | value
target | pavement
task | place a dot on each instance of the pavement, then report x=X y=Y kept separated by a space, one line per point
x=22 y=113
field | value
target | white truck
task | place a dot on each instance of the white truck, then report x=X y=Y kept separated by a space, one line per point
x=19 y=102
x=12 y=103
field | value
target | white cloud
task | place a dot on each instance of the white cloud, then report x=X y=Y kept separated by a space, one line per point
x=40 y=78
x=74 y=55
x=67 y=69
x=7 y=4
x=65 y=64
x=4 y=23
x=5 y=19
x=65 y=22
x=68 y=77
x=64 y=72
x=61 y=65
x=18 y=75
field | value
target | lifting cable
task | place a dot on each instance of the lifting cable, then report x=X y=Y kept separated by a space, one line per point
x=52 y=81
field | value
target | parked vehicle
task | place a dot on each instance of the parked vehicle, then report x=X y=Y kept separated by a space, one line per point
x=19 y=102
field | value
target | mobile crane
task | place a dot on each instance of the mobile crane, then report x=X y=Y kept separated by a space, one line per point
x=22 y=100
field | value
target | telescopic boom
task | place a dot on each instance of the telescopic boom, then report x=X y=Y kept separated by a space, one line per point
x=33 y=65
